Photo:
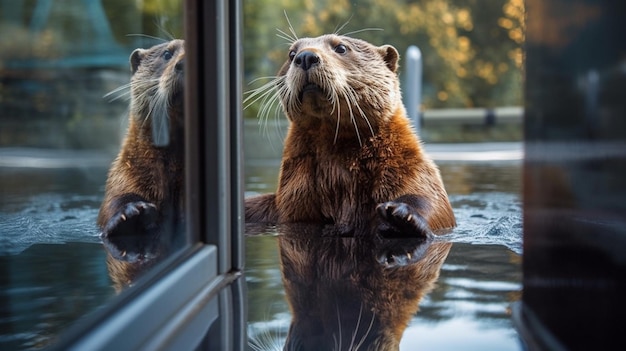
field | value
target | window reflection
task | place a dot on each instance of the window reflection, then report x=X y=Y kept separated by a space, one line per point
x=58 y=137
x=143 y=202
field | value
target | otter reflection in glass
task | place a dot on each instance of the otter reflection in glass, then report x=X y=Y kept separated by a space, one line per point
x=349 y=293
x=143 y=202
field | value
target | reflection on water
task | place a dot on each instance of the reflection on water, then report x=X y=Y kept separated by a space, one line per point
x=469 y=307
x=356 y=292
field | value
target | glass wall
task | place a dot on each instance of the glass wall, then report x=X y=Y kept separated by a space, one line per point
x=65 y=108
x=574 y=176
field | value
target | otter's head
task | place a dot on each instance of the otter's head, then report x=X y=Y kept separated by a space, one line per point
x=346 y=81
x=157 y=88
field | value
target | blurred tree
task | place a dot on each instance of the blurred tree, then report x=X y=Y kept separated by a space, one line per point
x=472 y=49
x=163 y=18
x=158 y=18
x=58 y=59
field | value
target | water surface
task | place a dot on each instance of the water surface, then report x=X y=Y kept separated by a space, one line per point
x=53 y=269
x=470 y=307
x=52 y=262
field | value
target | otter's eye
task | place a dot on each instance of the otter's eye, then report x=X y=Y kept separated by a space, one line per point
x=341 y=49
x=292 y=54
x=167 y=55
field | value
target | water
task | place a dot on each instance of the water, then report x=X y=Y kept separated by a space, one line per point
x=470 y=306
x=53 y=269
x=52 y=263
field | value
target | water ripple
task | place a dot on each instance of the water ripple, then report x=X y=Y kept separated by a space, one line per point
x=49 y=219
x=488 y=219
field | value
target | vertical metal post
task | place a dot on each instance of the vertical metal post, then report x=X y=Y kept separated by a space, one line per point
x=213 y=135
x=235 y=44
x=413 y=88
x=40 y=16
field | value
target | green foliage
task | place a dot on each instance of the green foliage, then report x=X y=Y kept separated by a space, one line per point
x=472 y=49
x=159 y=18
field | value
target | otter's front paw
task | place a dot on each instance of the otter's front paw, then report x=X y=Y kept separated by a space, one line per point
x=400 y=220
x=129 y=234
x=402 y=252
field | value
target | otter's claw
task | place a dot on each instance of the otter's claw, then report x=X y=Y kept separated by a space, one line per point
x=129 y=233
x=402 y=220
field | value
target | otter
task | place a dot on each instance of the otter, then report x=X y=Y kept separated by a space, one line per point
x=353 y=293
x=351 y=157
x=143 y=200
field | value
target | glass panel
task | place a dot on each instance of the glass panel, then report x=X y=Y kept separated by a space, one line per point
x=65 y=102
x=574 y=176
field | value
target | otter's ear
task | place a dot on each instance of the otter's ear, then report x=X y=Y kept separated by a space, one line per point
x=390 y=55
x=135 y=59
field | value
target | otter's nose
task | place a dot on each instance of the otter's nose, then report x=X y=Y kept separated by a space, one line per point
x=180 y=65
x=306 y=60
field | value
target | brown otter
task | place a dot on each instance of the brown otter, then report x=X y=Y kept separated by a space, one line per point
x=350 y=156
x=353 y=293
x=143 y=197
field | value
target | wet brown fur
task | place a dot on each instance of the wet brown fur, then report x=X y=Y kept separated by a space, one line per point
x=338 y=167
x=143 y=172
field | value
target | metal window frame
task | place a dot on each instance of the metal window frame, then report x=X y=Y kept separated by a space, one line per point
x=197 y=299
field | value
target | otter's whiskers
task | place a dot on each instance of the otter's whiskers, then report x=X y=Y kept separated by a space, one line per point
x=268 y=96
x=354 y=344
